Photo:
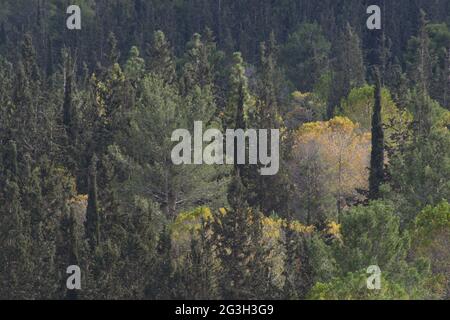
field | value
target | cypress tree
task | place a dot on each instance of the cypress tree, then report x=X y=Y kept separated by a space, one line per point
x=234 y=231
x=377 y=155
x=422 y=75
x=92 y=223
x=29 y=60
x=68 y=105
x=236 y=117
x=49 y=60
x=16 y=265
x=73 y=248
x=3 y=34
x=374 y=40
x=267 y=103
x=113 y=53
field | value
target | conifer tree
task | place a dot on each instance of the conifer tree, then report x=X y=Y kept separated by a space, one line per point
x=161 y=59
x=116 y=216
x=16 y=263
x=422 y=76
x=200 y=272
x=200 y=62
x=238 y=104
x=113 y=53
x=347 y=68
x=70 y=250
x=135 y=65
x=28 y=128
x=36 y=198
x=375 y=40
x=267 y=109
x=377 y=155
x=234 y=245
x=298 y=270
x=28 y=56
x=160 y=283
x=92 y=224
x=269 y=193
x=50 y=62
x=69 y=112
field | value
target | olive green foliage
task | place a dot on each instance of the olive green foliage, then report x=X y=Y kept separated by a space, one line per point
x=87 y=179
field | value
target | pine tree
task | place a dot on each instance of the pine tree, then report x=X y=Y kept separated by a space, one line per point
x=16 y=264
x=306 y=52
x=262 y=274
x=298 y=271
x=267 y=106
x=135 y=65
x=28 y=129
x=160 y=283
x=291 y=265
x=200 y=62
x=161 y=59
x=43 y=225
x=238 y=104
x=347 y=69
x=196 y=68
x=245 y=269
x=233 y=241
x=200 y=271
x=269 y=193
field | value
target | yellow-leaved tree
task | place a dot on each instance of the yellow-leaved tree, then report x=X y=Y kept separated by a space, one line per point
x=329 y=165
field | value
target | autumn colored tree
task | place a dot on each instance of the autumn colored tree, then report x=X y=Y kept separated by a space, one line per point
x=343 y=153
x=86 y=175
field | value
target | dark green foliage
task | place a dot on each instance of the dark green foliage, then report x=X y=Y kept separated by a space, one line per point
x=347 y=69
x=238 y=240
x=161 y=59
x=377 y=155
x=298 y=270
x=86 y=176
x=306 y=56
x=92 y=224
x=161 y=282
x=371 y=236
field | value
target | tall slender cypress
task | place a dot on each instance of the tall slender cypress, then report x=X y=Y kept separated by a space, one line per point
x=92 y=216
x=377 y=155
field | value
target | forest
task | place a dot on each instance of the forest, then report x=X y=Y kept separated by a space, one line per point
x=87 y=180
